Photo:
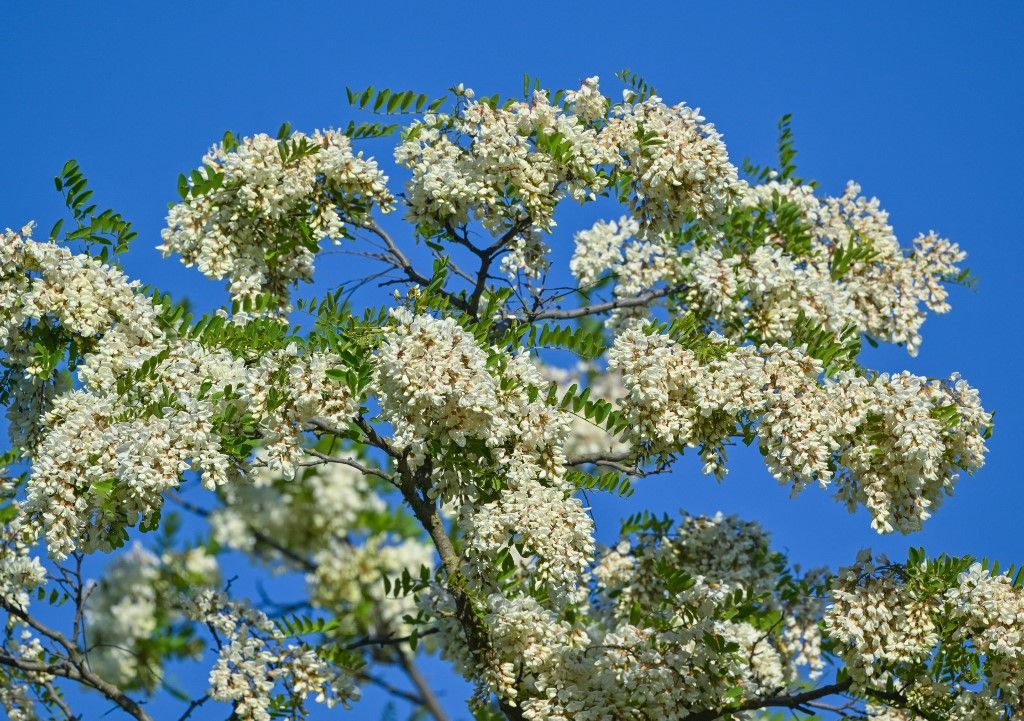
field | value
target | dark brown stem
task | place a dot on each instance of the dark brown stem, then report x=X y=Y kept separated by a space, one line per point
x=414 y=487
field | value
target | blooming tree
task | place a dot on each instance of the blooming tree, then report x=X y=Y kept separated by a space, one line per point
x=424 y=464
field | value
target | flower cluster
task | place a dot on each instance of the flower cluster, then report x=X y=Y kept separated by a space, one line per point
x=892 y=622
x=636 y=264
x=109 y=453
x=135 y=603
x=316 y=516
x=304 y=431
x=809 y=430
x=258 y=207
x=121 y=612
x=885 y=625
x=436 y=385
x=254 y=657
x=432 y=381
x=721 y=555
x=502 y=166
x=46 y=291
x=607 y=660
x=835 y=261
x=20 y=574
x=16 y=697
x=676 y=162
x=588 y=104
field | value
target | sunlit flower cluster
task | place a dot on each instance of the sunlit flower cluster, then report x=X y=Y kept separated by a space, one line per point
x=894 y=621
x=894 y=443
x=433 y=382
x=110 y=453
x=608 y=661
x=43 y=283
x=254 y=657
x=676 y=161
x=502 y=166
x=636 y=264
x=835 y=261
x=260 y=206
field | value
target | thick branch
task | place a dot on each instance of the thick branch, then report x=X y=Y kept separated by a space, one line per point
x=413 y=487
x=388 y=640
x=600 y=458
x=365 y=470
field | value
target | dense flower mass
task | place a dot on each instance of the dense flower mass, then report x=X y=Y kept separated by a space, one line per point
x=256 y=210
x=501 y=165
x=105 y=452
x=894 y=443
x=433 y=382
x=894 y=622
x=606 y=661
x=676 y=161
x=254 y=658
x=427 y=469
x=835 y=261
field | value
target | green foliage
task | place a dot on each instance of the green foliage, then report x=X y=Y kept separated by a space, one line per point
x=787 y=152
x=199 y=182
x=610 y=482
x=363 y=131
x=293 y=149
x=836 y=351
x=587 y=342
x=393 y=102
x=845 y=257
x=641 y=89
x=407 y=584
x=297 y=625
x=646 y=522
x=108 y=230
x=597 y=411
x=10 y=484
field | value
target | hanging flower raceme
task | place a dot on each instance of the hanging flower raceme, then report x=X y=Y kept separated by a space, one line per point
x=895 y=444
x=257 y=209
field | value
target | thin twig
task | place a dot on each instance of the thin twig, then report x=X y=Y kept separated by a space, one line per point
x=598 y=308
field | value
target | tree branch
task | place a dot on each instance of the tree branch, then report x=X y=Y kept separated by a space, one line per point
x=74 y=667
x=793 y=701
x=430 y=701
x=598 y=308
x=401 y=261
x=414 y=489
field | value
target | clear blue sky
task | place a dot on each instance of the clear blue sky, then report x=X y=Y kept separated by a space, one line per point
x=920 y=102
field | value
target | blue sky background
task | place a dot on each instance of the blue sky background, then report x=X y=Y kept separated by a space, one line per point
x=919 y=102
